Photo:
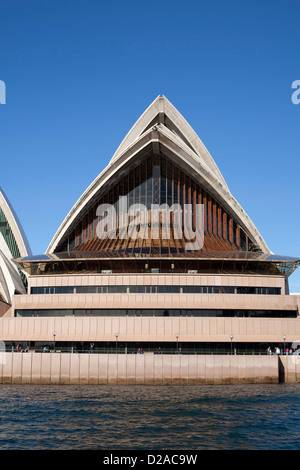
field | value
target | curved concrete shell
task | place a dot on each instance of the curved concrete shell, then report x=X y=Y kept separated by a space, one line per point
x=13 y=243
x=161 y=111
x=162 y=130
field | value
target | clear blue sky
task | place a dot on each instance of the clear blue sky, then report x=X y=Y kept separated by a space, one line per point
x=80 y=72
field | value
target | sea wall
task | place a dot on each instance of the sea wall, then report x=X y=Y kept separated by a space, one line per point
x=289 y=369
x=145 y=369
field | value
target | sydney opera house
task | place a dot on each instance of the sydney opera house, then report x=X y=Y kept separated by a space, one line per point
x=156 y=256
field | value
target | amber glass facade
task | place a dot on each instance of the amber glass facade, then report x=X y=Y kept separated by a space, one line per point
x=158 y=181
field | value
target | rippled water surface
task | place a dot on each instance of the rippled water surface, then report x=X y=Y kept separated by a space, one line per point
x=227 y=417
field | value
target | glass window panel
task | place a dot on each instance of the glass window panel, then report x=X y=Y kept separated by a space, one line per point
x=165 y=312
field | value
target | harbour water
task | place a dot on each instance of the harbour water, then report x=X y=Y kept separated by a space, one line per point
x=91 y=417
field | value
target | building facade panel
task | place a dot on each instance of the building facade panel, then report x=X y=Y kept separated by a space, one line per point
x=163 y=280
x=207 y=329
x=158 y=301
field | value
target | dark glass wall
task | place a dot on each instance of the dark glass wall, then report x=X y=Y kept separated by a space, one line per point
x=226 y=313
x=156 y=180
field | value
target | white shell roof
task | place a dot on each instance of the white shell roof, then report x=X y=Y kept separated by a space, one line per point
x=10 y=279
x=162 y=124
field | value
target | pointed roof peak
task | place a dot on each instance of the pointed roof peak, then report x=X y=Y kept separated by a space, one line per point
x=162 y=111
x=161 y=129
x=14 y=224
